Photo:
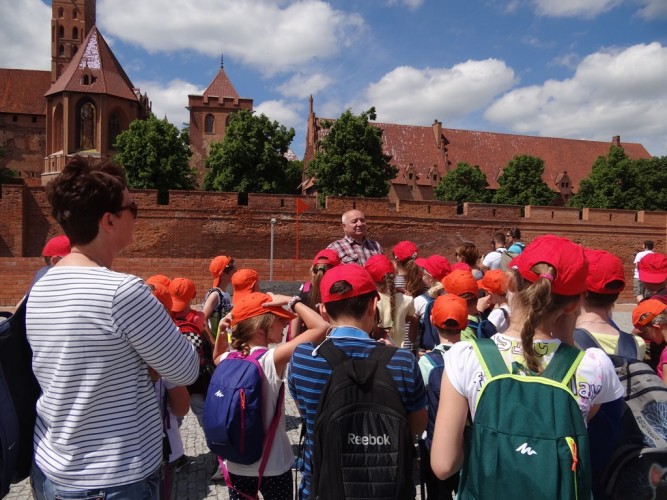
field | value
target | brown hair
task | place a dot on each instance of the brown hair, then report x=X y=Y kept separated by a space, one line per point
x=414 y=285
x=540 y=305
x=244 y=331
x=468 y=252
x=317 y=273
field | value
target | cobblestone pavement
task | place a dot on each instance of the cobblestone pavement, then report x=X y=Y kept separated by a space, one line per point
x=193 y=482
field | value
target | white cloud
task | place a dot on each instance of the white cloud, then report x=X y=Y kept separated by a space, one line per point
x=574 y=8
x=170 y=100
x=283 y=112
x=417 y=96
x=614 y=92
x=569 y=60
x=652 y=9
x=28 y=21
x=410 y=4
x=270 y=36
x=301 y=85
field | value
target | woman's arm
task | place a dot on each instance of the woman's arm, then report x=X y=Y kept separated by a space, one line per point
x=179 y=400
x=447 y=447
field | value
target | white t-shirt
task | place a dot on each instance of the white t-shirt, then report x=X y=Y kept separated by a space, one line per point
x=281 y=456
x=595 y=380
x=492 y=259
x=498 y=318
x=638 y=257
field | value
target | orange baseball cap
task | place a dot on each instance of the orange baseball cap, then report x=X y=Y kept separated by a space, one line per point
x=182 y=292
x=447 y=308
x=218 y=266
x=161 y=293
x=159 y=279
x=58 y=246
x=243 y=283
x=459 y=282
x=646 y=311
x=252 y=304
x=378 y=266
x=494 y=281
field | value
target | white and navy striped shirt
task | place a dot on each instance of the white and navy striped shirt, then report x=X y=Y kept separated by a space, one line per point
x=93 y=333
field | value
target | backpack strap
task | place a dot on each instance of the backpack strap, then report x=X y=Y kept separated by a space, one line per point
x=584 y=339
x=506 y=315
x=331 y=353
x=489 y=357
x=382 y=354
x=562 y=366
x=626 y=346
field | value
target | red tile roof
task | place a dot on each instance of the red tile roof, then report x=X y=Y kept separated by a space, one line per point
x=416 y=145
x=94 y=58
x=22 y=91
x=221 y=87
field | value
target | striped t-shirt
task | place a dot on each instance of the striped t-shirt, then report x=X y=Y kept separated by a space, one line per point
x=309 y=373
x=93 y=333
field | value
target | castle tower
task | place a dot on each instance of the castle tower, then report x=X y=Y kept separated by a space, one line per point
x=71 y=21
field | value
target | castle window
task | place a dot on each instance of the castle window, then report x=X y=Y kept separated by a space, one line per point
x=61 y=31
x=114 y=129
x=86 y=125
x=61 y=50
x=75 y=33
x=435 y=177
x=75 y=14
x=208 y=124
x=15 y=118
x=34 y=119
x=61 y=12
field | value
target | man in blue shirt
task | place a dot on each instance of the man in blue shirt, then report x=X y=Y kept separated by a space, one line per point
x=349 y=298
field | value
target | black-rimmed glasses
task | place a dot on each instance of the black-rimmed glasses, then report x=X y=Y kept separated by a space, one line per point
x=132 y=207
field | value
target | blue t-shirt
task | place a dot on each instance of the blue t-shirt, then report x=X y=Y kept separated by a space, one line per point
x=309 y=374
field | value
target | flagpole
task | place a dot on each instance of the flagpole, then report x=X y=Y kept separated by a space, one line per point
x=297 y=235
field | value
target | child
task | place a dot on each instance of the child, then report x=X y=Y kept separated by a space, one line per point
x=547 y=285
x=217 y=302
x=396 y=310
x=650 y=317
x=450 y=316
x=494 y=283
x=258 y=320
x=408 y=273
x=463 y=284
x=434 y=268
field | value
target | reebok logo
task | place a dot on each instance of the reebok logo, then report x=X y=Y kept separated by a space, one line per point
x=368 y=440
x=219 y=394
x=526 y=450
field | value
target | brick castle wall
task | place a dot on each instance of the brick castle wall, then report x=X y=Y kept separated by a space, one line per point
x=181 y=237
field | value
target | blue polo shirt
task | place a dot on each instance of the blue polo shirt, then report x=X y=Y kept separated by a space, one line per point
x=309 y=372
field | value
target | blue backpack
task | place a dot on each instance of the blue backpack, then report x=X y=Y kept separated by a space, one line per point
x=433 y=391
x=233 y=422
x=428 y=333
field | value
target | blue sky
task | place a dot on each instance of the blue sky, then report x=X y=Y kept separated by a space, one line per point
x=585 y=69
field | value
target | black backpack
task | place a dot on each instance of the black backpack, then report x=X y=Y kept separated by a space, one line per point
x=19 y=392
x=362 y=441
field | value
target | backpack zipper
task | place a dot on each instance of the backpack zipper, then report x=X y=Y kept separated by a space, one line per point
x=572 y=444
x=242 y=393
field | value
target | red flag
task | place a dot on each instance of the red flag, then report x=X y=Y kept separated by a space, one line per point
x=301 y=206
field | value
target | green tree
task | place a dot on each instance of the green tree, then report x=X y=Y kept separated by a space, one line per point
x=350 y=161
x=521 y=183
x=652 y=182
x=464 y=184
x=155 y=155
x=6 y=173
x=251 y=157
x=612 y=183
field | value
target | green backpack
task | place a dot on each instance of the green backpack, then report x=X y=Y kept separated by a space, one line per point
x=529 y=439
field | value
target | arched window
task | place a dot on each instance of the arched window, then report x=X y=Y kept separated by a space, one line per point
x=61 y=12
x=61 y=31
x=85 y=80
x=87 y=121
x=208 y=124
x=75 y=33
x=114 y=129
x=75 y=14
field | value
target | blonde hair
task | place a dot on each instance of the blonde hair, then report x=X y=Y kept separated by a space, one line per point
x=388 y=286
x=244 y=331
x=540 y=304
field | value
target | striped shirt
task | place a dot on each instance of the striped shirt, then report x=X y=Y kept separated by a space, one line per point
x=309 y=374
x=93 y=333
x=350 y=251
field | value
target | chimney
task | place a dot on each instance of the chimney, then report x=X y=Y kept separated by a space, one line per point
x=437 y=132
x=616 y=140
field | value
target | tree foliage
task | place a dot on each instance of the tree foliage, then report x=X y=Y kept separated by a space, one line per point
x=251 y=157
x=155 y=155
x=618 y=182
x=465 y=183
x=350 y=161
x=521 y=183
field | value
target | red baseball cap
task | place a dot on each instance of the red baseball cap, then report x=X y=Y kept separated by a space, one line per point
x=494 y=281
x=646 y=311
x=604 y=268
x=405 y=250
x=327 y=256
x=564 y=255
x=461 y=266
x=459 y=282
x=58 y=246
x=653 y=268
x=252 y=304
x=218 y=266
x=159 y=279
x=182 y=292
x=378 y=266
x=435 y=265
x=162 y=294
x=243 y=283
x=354 y=274
x=450 y=307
